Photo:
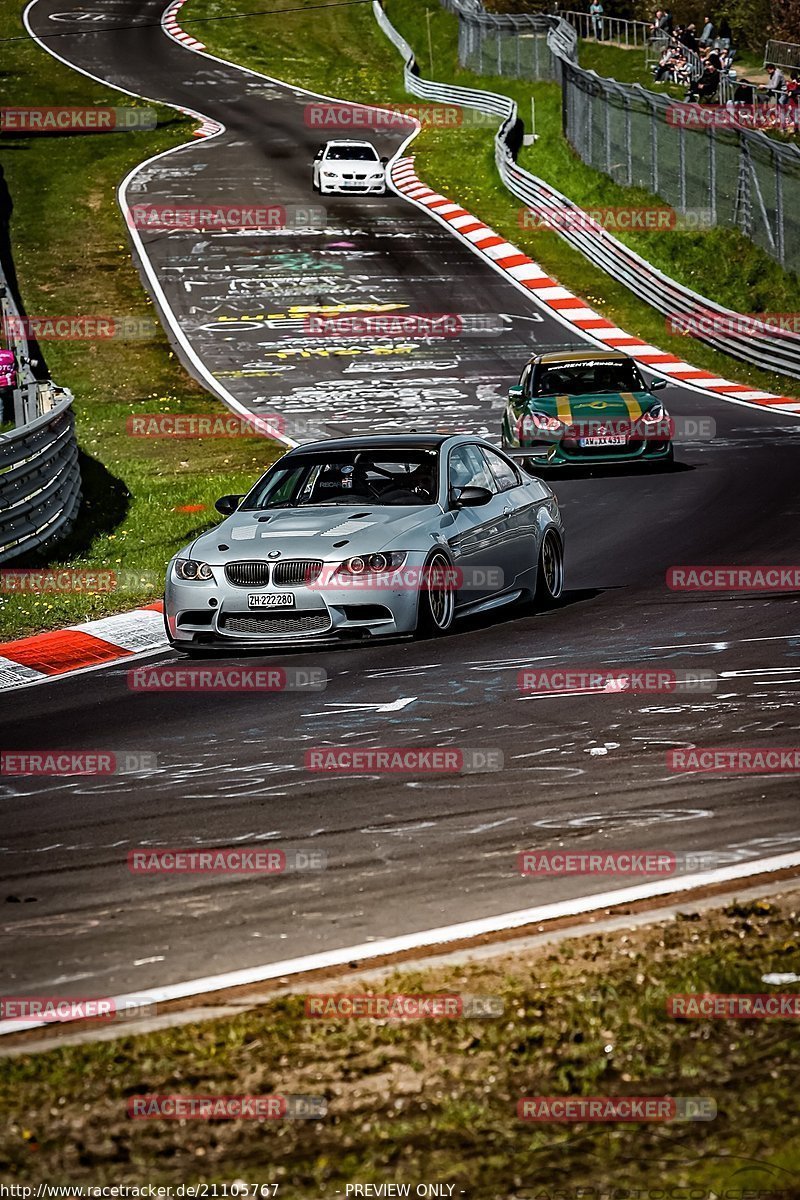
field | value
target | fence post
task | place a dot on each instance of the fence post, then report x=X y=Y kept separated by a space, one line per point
x=607 y=103
x=654 y=147
x=712 y=173
x=628 y=146
x=780 y=232
x=682 y=168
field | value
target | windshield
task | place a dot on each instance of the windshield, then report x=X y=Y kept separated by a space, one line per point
x=404 y=477
x=357 y=153
x=588 y=378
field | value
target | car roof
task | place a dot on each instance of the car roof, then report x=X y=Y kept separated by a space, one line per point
x=576 y=356
x=348 y=142
x=388 y=441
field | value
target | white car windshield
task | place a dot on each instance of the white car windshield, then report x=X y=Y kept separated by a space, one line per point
x=400 y=477
x=353 y=153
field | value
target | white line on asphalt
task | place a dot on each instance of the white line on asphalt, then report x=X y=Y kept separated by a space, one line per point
x=436 y=937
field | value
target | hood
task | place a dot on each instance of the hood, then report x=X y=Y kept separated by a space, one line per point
x=331 y=534
x=597 y=408
x=353 y=164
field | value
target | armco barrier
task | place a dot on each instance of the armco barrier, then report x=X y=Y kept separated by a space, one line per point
x=40 y=483
x=773 y=353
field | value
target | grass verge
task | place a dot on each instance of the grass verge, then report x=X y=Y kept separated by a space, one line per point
x=427 y=1101
x=143 y=498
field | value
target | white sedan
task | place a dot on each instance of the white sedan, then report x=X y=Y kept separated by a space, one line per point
x=346 y=166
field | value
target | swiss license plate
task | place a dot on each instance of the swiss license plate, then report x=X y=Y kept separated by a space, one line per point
x=602 y=441
x=270 y=600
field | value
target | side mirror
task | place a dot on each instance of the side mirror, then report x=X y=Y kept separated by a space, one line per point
x=515 y=392
x=319 y=154
x=470 y=497
x=658 y=384
x=384 y=159
x=228 y=504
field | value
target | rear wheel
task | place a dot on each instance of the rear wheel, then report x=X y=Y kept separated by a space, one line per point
x=437 y=598
x=550 y=575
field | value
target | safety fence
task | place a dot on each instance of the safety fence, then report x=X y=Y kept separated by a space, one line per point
x=40 y=483
x=785 y=55
x=709 y=322
x=708 y=157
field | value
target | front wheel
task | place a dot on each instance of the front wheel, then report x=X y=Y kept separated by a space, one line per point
x=550 y=573
x=437 y=598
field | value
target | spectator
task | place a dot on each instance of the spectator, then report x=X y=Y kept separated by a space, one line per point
x=725 y=36
x=688 y=38
x=744 y=92
x=776 y=84
x=709 y=33
x=706 y=87
x=596 y=13
x=657 y=21
x=666 y=22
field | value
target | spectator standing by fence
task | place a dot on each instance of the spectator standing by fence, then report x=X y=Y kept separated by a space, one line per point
x=709 y=32
x=776 y=84
x=596 y=13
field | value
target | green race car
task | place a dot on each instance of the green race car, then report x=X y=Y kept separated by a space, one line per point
x=584 y=407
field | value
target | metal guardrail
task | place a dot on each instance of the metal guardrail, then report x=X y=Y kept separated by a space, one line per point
x=615 y=29
x=785 y=55
x=40 y=482
x=781 y=353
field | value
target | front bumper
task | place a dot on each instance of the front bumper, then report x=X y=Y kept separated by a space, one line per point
x=352 y=187
x=217 y=614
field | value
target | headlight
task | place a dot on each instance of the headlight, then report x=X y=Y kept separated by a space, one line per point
x=536 y=422
x=329 y=174
x=379 y=175
x=363 y=565
x=188 y=568
x=655 y=414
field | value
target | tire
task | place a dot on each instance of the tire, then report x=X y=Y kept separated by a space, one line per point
x=436 y=604
x=550 y=571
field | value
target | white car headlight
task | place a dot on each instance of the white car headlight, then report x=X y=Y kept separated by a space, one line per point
x=329 y=174
x=190 y=569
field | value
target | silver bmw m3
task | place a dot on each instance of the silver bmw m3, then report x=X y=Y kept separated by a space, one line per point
x=367 y=537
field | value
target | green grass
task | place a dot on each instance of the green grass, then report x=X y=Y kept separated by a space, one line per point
x=73 y=256
x=426 y=1101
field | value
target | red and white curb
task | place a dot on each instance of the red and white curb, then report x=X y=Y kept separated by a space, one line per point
x=45 y=656
x=569 y=308
x=171 y=27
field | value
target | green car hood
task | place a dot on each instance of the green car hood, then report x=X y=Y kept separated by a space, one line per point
x=603 y=406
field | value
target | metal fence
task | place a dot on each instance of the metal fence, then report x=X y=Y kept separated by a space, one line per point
x=709 y=322
x=783 y=54
x=40 y=483
x=614 y=29
x=693 y=156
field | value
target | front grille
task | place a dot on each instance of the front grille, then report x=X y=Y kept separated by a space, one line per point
x=247 y=574
x=277 y=623
x=296 y=571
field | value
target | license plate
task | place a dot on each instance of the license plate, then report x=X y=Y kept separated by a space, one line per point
x=602 y=441
x=270 y=600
